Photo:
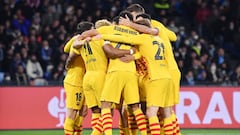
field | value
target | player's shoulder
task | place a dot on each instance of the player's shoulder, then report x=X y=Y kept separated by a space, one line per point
x=143 y=35
x=96 y=41
x=68 y=45
x=157 y=38
x=156 y=23
x=105 y=27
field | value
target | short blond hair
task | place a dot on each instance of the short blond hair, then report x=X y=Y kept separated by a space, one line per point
x=102 y=22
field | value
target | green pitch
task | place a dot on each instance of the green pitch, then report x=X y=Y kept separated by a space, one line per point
x=116 y=132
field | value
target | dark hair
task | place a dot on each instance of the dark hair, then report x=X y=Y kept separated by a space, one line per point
x=126 y=13
x=83 y=26
x=144 y=15
x=135 y=8
x=144 y=22
x=115 y=19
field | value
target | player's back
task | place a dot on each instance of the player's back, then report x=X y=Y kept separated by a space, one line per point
x=153 y=49
x=94 y=56
x=167 y=36
x=116 y=64
x=117 y=29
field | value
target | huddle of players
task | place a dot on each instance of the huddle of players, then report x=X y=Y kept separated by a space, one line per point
x=116 y=72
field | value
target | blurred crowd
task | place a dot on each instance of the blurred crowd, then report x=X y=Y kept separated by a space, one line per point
x=33 y=33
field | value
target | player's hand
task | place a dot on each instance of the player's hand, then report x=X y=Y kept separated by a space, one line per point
x=98 y=36
x=67 y=66
x=78 y=43
x=127 y=58
x=77 y=37
x=88 y=39
x=124 y=21
x=134 y=49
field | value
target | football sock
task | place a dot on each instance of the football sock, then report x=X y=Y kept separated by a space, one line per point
x=167 y=125
x=175 y=125
x=78 y=125
x=98 y=129
x=132 y=125
x=141 y=121
x=95 y=117
x=107 y=121
x=68 y=126
x=154 y=125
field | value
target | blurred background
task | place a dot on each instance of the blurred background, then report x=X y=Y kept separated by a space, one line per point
x=33 y=33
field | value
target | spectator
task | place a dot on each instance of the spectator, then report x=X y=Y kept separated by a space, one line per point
x=45 y=53
x=202 y=14
x=21 y=76
x=33 y=3
x=36 y=20
x=24 y=55
x=7 y=79
x=48 y=16
x=1 y=56
x=21 y=23
x=223 y=75
x=33 y=45
x=58 y=73
x=17 y=60
x=221 y=58
x=35 y=72
x=189 y=79
x=235 y=77
x=7 y=68
x=213 y=71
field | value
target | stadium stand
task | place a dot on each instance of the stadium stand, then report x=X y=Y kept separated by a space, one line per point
x=207 y=49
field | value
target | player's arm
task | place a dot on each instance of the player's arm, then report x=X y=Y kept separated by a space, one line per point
x=162 y=29
x=170 y=57
x=171 y=35
x=138 y=27
x=70 y=59
x=68 y=45
x=72 y=55
x=88 y=33
x=77 y=44
x=129 y=58
x=95 y=32
x=113 y=53
x=144 y=29
x=133 y=40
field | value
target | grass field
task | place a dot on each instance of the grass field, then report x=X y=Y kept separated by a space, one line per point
x=116 y=132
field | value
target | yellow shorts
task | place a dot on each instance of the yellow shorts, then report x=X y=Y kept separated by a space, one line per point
x=157 y=92
x=74 y=96
x=121 y=83
x=176 y=76
x=170 y=97
x=92 y=87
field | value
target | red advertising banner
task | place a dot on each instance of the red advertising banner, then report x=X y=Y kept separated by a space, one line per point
x=35 y=108
x=209 y=107
x=44 y=108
